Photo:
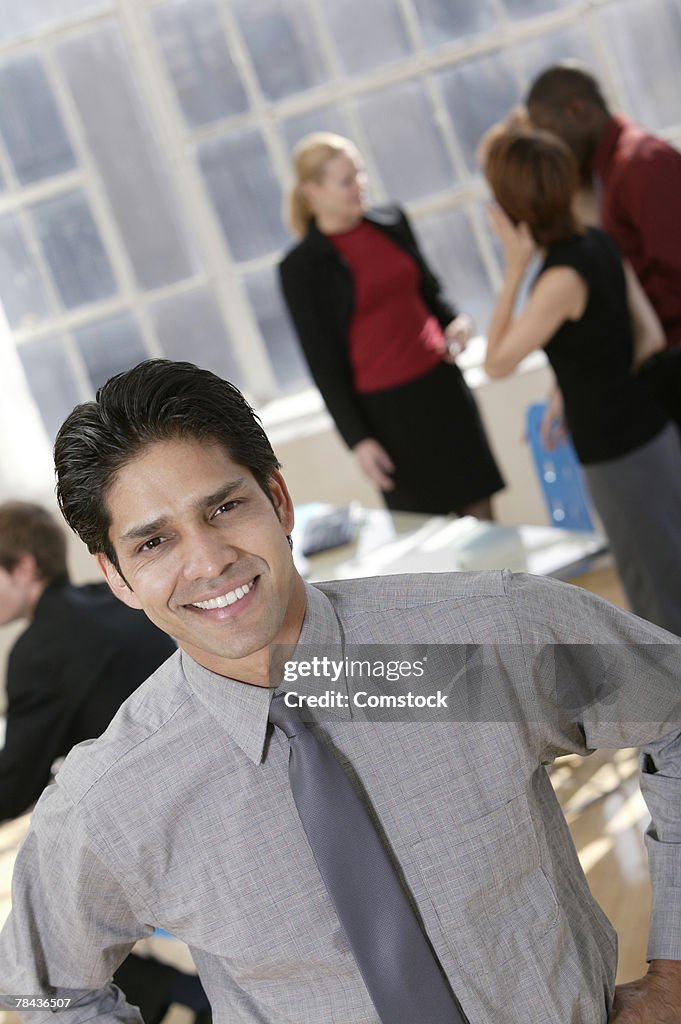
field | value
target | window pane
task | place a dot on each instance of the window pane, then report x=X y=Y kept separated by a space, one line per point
x=110 y=346
x=411 y=163
x=325 y=119
x=121 y=137
x=245 y=192
x=190 y=327
x=283 y=45
x=51 y=380
x=283 y=347
x=653 y=29
x=73 y=249
x=452 y=251
x=30 y=122
x=477 y=94
x=200 y=64
x=21 y=289
x=573 y=42
x=20 y=16
x=528 y=8
x=442 y=20
x=366 y=34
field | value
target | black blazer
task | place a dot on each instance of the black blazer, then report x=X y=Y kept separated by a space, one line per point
x=83 y=654
x=319 y=292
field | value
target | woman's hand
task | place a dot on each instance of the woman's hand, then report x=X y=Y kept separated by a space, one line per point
x=457 y=335
x=553 y=428
x=516 y=239
x=375 y=463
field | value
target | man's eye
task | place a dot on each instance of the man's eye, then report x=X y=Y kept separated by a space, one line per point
x=149 y=545
x=227 y=507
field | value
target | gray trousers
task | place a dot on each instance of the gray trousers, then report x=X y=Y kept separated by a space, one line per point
x=638 y=497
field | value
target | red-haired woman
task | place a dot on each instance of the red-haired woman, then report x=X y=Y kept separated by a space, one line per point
x=591 y=316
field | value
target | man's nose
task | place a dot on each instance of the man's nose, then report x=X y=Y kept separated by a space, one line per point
x=207 y=554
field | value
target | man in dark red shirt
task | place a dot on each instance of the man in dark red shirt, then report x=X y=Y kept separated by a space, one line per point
x=637 y=178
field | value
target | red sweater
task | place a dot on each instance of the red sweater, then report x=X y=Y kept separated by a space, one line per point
x=393 y=336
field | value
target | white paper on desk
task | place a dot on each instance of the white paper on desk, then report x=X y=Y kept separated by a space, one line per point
x=426 y=550
x=378 y=565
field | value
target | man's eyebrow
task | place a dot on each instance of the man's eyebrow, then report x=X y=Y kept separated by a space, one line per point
x=222 y=494
x=146 y=530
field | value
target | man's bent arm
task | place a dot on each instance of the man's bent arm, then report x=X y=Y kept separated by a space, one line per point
x=616 y=679
x=71 y=924
x=661 y=788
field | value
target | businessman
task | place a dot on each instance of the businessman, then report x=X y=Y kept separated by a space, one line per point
x=81 y=655
x=348 y=867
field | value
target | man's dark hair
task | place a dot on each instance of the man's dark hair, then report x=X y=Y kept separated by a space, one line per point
x=28 y=529
x=562 y=82
x=157 y=400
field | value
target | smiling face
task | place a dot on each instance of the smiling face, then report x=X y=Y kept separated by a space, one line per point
x=204 y=552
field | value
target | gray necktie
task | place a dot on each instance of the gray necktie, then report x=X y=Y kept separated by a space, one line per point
x=400 y=970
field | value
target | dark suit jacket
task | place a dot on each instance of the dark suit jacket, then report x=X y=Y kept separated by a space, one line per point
x=318 y=288
x=83 y=654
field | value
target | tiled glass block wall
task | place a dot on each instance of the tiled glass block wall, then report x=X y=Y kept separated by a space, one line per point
x=144 y=154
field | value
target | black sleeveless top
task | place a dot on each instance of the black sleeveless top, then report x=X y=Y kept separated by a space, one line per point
x=609 y=410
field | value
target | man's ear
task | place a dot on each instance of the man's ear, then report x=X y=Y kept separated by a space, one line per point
x=117 y=583
x=282 y=501
x=579 y=110
x=25 y=570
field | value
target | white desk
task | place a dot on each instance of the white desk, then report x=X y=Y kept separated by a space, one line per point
x=407 y=542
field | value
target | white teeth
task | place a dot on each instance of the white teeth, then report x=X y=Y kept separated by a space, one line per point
x=221 y=602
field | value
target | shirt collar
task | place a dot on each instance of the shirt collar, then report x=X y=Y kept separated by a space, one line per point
x=607 y=145
x=243 y=710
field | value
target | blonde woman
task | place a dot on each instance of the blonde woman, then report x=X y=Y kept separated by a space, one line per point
x=380 y=339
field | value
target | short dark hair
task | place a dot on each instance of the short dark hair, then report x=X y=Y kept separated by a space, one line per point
x=562 y=82
x=157 y=400
x=29 y=529
x=534 y=178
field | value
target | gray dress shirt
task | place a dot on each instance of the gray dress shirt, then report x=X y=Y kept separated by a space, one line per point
x=181 y=816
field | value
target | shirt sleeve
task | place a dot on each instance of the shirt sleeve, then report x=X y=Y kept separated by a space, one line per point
x=72 y=921
x=644 y=217
x=605 y=678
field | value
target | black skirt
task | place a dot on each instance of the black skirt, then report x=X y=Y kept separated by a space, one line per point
x=432 y=430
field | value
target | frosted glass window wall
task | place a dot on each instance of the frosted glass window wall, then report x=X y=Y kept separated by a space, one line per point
x=145 y=157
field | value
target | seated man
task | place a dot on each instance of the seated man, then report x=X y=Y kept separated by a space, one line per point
x=82 y=654
x=395 y=867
